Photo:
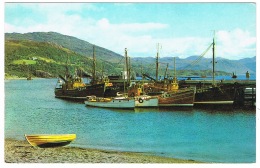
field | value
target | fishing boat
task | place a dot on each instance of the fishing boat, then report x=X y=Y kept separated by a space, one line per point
x=168 y=91
x=175 y=96
x=50 y=140
x=73 y=87
x=120 y=102
x=146 y=101
x=181 y=97
x=136 y=90
x=221 y=94
x=215 y=93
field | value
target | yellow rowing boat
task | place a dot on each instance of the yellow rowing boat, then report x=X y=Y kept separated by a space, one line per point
x=50 y=140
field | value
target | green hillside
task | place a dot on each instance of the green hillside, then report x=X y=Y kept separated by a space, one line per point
x=45 y=59
x=74 y=44
x=45 y=54
x=39 y=58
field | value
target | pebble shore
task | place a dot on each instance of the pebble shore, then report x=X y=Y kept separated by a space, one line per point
x=22 y=152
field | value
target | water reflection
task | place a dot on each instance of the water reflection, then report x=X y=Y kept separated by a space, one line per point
x=208 y=133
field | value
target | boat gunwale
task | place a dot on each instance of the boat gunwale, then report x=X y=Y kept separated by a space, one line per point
x=48 y=140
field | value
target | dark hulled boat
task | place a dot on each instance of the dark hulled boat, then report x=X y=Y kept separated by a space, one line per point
x=181 y=97
x=221 y=94
x=168 y=91
x=171 y=95
x=216 y=93
x=75 y=88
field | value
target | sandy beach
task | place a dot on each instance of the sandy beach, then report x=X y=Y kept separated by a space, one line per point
x=23 y=152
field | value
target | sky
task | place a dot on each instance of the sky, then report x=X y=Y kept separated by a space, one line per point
x=180 y=29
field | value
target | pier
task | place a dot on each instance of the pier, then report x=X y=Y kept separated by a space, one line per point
x=241 y=92
x=224 y=92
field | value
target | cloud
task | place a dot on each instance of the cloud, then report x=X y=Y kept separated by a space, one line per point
x=184 y=46
x=134 y=36
x=139 y=38
x=236 y=44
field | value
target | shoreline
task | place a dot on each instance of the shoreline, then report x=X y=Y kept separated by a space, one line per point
x=16 y=151
x=19 y=78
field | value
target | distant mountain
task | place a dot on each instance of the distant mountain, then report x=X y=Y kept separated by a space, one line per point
x=51 y=49
x=74 y=44
x=197 y=63
x=250 y=63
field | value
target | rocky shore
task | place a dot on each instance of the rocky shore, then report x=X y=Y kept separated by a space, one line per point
x=22 y=152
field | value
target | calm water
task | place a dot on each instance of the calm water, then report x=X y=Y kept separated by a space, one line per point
x=201 y=134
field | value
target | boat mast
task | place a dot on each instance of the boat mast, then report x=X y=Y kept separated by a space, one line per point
x=125 y=71
x=174 y=73
x=174 y=83
x=165 y=73
x=157 y=62
x=213 y=61
x=126 y=65
x=94 y=66
x=102 y=77
x=142 y=78
x=67 y=68
x=129 y=70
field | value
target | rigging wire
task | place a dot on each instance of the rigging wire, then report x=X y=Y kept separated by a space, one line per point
x=195 y=62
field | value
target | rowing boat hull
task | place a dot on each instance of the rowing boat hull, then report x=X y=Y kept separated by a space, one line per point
x=50 y=140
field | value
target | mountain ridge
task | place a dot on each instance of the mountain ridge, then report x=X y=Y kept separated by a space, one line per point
x=77 y=45
x=229 y=66
x=114 y=61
